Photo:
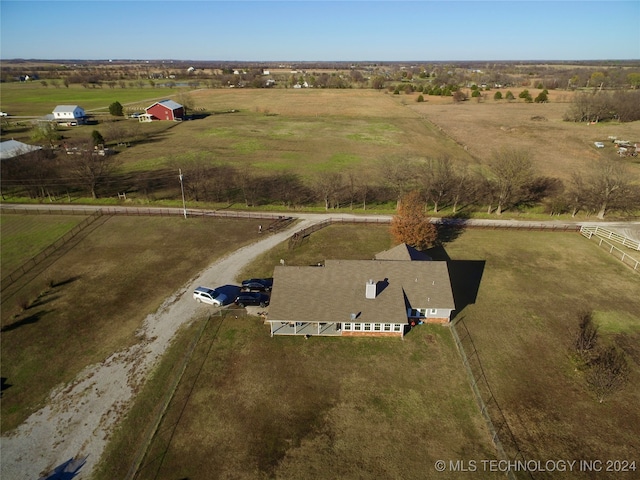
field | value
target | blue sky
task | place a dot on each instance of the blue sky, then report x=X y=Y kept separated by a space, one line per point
x=315 y=31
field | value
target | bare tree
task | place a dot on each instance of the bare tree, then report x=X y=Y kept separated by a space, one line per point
x=442 y=181
x=37 y=172
x=587 y=336
x=464 y=187
x=608 y=187
x=399 y=174
x=608 y=372
x=92 y=169
x=513 y=171
x=287 y=188
x=576 y=193
x=186 y=100
x=327 y=187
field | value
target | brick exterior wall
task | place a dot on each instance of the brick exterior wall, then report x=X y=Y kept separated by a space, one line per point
x=371 y=334
x=441 y=321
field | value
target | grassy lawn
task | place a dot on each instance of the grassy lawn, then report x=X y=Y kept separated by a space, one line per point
x=251 y=406
x=92 y=299
x=25 y=236
x=522 y=323
x=256 y=407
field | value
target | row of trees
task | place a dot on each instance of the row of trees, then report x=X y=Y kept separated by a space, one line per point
x=510 y=182
x=620 y=75
x=601 y=106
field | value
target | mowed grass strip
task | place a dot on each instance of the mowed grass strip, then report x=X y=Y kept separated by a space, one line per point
x=91 y=301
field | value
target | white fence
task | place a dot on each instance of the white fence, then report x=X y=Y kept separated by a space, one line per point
x=603 y=236
x=610 y=235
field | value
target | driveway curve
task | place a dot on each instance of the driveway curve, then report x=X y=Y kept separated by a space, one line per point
x=81 y=416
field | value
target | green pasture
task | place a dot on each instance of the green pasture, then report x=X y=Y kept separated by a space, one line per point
x=33 y=99
x=305 y=145
x=23 y=237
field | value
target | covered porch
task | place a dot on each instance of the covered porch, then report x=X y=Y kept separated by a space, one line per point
x=306 y=328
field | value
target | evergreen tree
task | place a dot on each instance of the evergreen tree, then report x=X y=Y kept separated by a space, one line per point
x=116 y=109
x=97 y=138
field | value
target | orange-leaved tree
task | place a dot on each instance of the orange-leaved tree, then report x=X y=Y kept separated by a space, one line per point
x=411 y=225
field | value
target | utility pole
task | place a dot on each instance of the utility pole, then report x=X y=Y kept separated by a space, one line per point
x=184 y=206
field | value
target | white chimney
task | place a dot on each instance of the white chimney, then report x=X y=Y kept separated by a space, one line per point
x=371 y=290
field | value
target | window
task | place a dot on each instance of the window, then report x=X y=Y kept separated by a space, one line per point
x=347 y=326
x=433 y=311
x=367 y=327
x=377 y=327
x=387 y=327
x=397 y=327
x=357 y=327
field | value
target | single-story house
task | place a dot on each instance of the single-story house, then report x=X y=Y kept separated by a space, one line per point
x=14 y=148
x=69 y=114
x=381 y=297
x=165 y=110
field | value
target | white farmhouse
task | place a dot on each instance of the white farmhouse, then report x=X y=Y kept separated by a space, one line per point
x=70 y=114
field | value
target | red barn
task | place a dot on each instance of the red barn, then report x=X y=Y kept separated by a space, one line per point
x=165 y=110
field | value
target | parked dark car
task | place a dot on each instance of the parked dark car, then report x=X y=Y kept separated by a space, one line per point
x=259 y=284
x=252 y=298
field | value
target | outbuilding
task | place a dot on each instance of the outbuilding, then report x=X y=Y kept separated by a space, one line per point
x=69 y=114
x=14 y=148
x=165 y=110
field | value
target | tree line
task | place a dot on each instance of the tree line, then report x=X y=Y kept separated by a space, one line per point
x=508 y=183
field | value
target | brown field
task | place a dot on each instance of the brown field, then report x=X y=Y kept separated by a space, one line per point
x=314 y=131
x=251 y=406
x=558 y=148
x=87 y=301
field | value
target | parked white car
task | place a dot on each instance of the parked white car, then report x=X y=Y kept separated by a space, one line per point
x=599 y=144
x=210 y=296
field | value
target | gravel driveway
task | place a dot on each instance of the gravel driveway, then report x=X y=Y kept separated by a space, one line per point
x=80 y=416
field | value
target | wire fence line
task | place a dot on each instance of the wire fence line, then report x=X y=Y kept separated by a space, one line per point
x=30 y=264
x=161 y=409
x=507 y=448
